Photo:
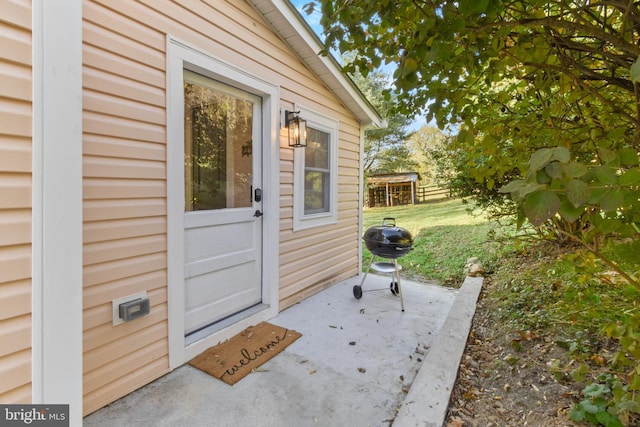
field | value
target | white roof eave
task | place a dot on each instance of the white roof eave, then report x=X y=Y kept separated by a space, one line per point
x=292 y=28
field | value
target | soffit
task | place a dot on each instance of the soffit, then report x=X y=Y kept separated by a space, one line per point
x=292 y=28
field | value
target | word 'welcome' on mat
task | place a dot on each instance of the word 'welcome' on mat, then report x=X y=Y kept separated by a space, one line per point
x=235 y=358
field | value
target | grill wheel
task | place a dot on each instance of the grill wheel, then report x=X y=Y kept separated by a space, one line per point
x=357 y=291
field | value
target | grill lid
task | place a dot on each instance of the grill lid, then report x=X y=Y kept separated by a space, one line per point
x=388 y=240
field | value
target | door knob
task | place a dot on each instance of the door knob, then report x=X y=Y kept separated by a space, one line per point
x=258 y=213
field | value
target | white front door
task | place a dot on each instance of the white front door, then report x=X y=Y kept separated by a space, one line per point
x=223 y=201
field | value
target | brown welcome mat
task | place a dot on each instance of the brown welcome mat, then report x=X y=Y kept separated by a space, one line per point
x=235 y=358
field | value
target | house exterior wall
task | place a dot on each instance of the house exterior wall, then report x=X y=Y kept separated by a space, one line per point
x=15 y=202
x=124 y=180
x=313 y=259
x=125 y=184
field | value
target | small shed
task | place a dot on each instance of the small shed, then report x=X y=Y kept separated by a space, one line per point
x=392 y=189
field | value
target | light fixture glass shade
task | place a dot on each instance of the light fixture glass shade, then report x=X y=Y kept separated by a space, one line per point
x=296 y=129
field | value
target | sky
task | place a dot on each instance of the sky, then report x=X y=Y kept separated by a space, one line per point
x=314 y=22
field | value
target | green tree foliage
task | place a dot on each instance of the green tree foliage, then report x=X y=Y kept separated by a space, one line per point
x=424 y=143
x=543 y=94
x=385 y=150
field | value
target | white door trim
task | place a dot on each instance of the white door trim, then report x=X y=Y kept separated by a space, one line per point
x=57 y=205
x=181 y=55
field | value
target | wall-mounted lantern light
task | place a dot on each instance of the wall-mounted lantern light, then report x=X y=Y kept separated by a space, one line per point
x=296 y=128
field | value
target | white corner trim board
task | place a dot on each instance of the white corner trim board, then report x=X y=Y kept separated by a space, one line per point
x=57 y=205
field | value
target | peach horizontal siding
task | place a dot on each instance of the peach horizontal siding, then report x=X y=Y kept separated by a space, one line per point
x=15 y=202
x=124 y=210
x=125 y=173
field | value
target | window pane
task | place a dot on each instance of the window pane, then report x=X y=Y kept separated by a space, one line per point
x=317 y=150
x=218 y=142
x=316 y=192
x=316 y=172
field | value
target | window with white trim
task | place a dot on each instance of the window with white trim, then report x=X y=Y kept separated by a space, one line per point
x=315 y=173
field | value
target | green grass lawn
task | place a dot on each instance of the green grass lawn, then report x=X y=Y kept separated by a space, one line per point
x=445 y=235
x=544 y=294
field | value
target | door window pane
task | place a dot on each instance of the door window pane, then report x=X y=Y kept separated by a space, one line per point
x=218 y=147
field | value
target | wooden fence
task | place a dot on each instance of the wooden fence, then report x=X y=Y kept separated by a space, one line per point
x=399 y=195
x=431 y=193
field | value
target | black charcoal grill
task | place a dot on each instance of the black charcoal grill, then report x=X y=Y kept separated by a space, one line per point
x=390 y=242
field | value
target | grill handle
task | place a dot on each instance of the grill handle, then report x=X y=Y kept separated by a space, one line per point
x=385 y=224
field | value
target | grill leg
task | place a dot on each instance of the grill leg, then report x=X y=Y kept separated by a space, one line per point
x=357 y=289
x=373 y=257
x=397 y=278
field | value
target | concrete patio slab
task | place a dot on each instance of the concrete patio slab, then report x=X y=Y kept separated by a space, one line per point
x=353 y=366
x=427 y=402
